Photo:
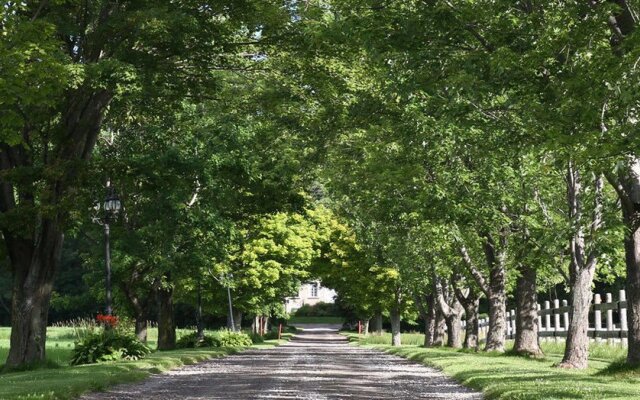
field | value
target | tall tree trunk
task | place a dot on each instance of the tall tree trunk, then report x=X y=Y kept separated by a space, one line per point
x=527 y=342
x=470 y=302
x=140 y=307
x=576 y=351
x=199 y=322
x=237 y=319
x=395 y=326
x=439 y=330
x=627 y=185
x=428 y=313
x=36 y=256
x=34 y=270
x=496 y=295
x=582 y=269
x=378 y=326
x=632 y=250
x=141 y=328
x=451 y=309
x=454 y=331
x=494 y=289
x=472 y=327
x=166 y=320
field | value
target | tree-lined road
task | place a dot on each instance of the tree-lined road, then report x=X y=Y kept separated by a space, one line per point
x=317 y=364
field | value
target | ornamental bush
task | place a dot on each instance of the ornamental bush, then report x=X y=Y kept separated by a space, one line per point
x=227 y=338
x=191 y=341
x=256 y=338
x=108 y=345
x=318 y=310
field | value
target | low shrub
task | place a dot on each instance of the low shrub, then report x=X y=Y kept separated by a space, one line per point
x=108 y=345
x=232 y=339
x=290 y=329
x=318 y=310
x=192 y=341
x=256 y=338
x=272 y=334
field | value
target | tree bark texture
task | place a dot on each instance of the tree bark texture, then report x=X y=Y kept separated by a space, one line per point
x=581 y=271
x=627 y=186
x=395 y=326
x=237 y=320
x=439 y=331
x=141 y=328
x=496 y=295
x=140 y=307
x=493 y=289
x=470 y=302
x=378 y=322
x=427 y=308
x=452 y=310
x=34 y=267
x=34 y=252
x=527 y=341
x=166 y=319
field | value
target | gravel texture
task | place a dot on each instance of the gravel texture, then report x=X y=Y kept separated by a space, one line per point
x=316 y=364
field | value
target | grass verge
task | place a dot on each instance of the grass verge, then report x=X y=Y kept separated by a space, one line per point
x=68 y=382
x=501 y=376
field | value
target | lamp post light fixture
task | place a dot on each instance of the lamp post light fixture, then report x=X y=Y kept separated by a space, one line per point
x=111 y=206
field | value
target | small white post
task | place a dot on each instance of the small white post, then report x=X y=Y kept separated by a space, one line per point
x=556 y=319
x=539 y=319
x=513 y=322
x=565 y=315
x=624 y=327
x=609 y=319
x=597 y=317
x=547 y=318
x=508 y=321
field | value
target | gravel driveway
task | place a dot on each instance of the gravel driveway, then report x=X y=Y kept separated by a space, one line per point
x=317 y=364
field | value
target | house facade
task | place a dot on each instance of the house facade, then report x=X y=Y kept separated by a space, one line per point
x=310 y=293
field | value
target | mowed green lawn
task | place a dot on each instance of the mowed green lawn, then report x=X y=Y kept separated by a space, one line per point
x=60 y=342
x=62 y=381
x=511 y=377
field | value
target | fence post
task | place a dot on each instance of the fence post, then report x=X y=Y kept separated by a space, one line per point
x=556 y=320
x=508 y=321
x=624 y=327
x=609 y=319
x=279 y=331
x=565 y=315
x=597 y=300
x=513 y=323
x=539 y=319
x=359 y=327
x=547 y=318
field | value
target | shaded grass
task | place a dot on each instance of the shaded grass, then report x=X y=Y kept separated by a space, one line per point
x=415 y=339
x=502 y=376
x=597 y=351
x=68 y=382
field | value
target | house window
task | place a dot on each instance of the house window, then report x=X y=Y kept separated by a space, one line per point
x=314 y=289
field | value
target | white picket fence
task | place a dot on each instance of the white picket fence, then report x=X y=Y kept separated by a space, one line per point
x=607 y=320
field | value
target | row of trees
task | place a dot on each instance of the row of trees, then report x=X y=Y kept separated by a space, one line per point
x=185 y=108
x=471 y=151
x=484 y=149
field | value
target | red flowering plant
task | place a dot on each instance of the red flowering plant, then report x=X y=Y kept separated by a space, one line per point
x=107 y=321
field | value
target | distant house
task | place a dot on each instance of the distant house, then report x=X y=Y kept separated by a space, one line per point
x=310 y=293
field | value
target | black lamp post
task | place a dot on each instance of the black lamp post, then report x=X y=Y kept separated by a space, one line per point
x=111 y=207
